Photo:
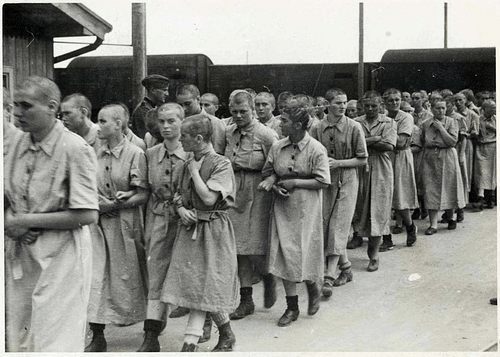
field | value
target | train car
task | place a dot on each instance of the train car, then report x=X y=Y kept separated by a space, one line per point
x=429 y=69
x=105 y=79
x=313 y=79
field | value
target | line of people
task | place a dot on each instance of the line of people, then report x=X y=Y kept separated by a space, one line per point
x=186 y=207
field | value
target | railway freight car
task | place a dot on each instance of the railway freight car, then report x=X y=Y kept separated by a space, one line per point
x=105 y=79
x=313 y=79
x=429 y=69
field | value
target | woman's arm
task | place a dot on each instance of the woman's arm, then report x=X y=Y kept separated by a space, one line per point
x=69 y=219
x=138 y=199
x=354 y=162
x=208 y=196
x=448 y=139
x=308 y=184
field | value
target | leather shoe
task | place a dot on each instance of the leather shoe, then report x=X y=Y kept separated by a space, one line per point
x=430 y=231
x=327 y=289
x=452 y=224
x=98 y=344
x=460 y=215
x=344 y=277
x=493 y=301
x=288 y=317
x=244 y=308
x=373 y=266
x=189 y=347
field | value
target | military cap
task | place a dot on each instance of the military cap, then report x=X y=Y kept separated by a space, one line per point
x=155 y=80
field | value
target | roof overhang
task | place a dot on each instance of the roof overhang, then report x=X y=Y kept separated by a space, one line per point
x=53 y=20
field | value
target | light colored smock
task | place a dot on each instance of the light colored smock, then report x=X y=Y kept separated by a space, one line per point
x=47 y=283
x=247 y=150
x=161 y=216
x=274 y=123
x=472 y=123
x=405 y=187
x=203 y=270
x=119 y=280
x=137 y=141
x=296 y=233
x=342 y=140
x=486 y=154
x=462 y=160
x=417 y=160
x=376 y=180
x=443 y=187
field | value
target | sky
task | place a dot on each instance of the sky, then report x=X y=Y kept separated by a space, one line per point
x=293 y=31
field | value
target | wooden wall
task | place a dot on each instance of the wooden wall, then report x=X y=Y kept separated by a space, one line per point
x=28 y=56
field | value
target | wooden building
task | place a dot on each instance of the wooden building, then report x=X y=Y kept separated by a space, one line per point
x=29 y=30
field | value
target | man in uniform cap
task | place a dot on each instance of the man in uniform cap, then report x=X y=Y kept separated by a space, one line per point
x=156 y=93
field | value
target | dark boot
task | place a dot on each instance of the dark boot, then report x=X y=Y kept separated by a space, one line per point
x=152 y=329
x=356 y=241
x=98 y=343
x=479 y=205
x=411 y=234
x=227 y=339
x=246 y=306
x=314 y=296
x=488 y=198
x=207 y=329
x=189 y=348
x=292 y=311
x=386 y=243
x=460 y=215
x=416 y=214
x=269 y=290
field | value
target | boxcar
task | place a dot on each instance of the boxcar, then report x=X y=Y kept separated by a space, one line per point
x=105 y=79
x=429 y=69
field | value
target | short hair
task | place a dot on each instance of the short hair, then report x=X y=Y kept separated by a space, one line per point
x=446 y=92
x=211 y=97
x=372 y=94
x=425 y=96
x=352 y=103
x=459 y=95
x=436 y=100
x=243 y=97
x=268 y=96
x=298 y=112
x=251 y=92
x=488 y=103
x=45 y=88
x=333 y=92
x=172 y=106
x=234 y=92
x=317 y=99
x=469 y=94
x=284 y=96
x=391 y=91
x=120 y=112
x=80 y=101
x=185 y=88
x=405 y=106
x=199 y=124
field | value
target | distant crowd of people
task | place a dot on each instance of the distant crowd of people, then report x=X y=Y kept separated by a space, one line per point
x=115 y=222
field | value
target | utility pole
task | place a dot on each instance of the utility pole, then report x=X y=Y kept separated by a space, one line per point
x=140 y=64
x=361 y=67
x=445 y=25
